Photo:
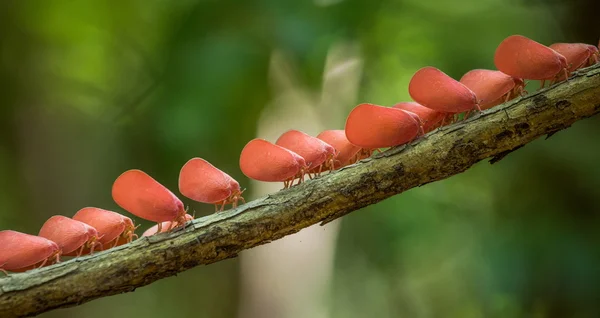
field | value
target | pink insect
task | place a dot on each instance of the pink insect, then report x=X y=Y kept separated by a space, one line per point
x=201 y=181
x=435 y=90
x=578 y=55
x=429 y=117
x=141 y=195
x=316 y=153
x=113 y=228
x=521 y=57
x=21 y=252
x=263 y=161
x=492 y=87
x=165 y=225
x=346 y=152
x=73 y=237
x=371 y=126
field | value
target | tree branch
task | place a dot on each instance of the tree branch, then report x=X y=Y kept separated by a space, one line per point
x=443 y=153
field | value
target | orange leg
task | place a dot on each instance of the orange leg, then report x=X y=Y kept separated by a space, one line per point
x=80 y=250
x=159 y=229
x=507 y=96
x=467 y=115
x=116 y=242
x=172 y=225
x=94 y=247
x=43 y=263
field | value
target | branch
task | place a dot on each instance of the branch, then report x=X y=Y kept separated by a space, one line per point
x=443 y=153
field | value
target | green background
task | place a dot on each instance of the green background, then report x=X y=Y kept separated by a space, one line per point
x=89 y=89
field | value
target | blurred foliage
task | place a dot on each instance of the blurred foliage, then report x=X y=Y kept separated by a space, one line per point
x=92 y=88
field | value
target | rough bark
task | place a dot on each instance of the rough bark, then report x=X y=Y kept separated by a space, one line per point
x=439 y=155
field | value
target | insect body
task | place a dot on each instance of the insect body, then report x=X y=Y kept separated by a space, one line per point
x=429 y=117
x=141 y=195
x=371 y=126
x=345 y=152
x=263 y=161
x=492 y=87
x=73 y=237
x=435 y=90
x=316 y=153
x=578 y=55
x=113 y=228
x=201 y=181
x=20 y=252
x=524 y=58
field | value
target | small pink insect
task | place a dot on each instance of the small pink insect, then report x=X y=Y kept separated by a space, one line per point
x=371 y=126
x=435 y=90
x=578 y=55
x=21 y=252
x=492 y=87
x=316 y=153
x=346 y=152
x=430 y=118
x=111 y=226
x=73 y=237
x=524 y=58
x=165 y=225
x=141 y=195
x=201 y=181
x=263 y=161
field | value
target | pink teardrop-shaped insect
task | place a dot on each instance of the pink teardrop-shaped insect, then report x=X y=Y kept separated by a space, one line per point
x=371 y=126
x=317 y=154
x=577 y=54
x=594 y=57
x=21 y=252
x=430 y=118
x=346 y=152
x=164 y=226
x=111 y=226
x=492 y=87
x=524 y=58
x=73 y=237
x=201 y=181
x=263 y=161
x=435 y=90
x=141 y=195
